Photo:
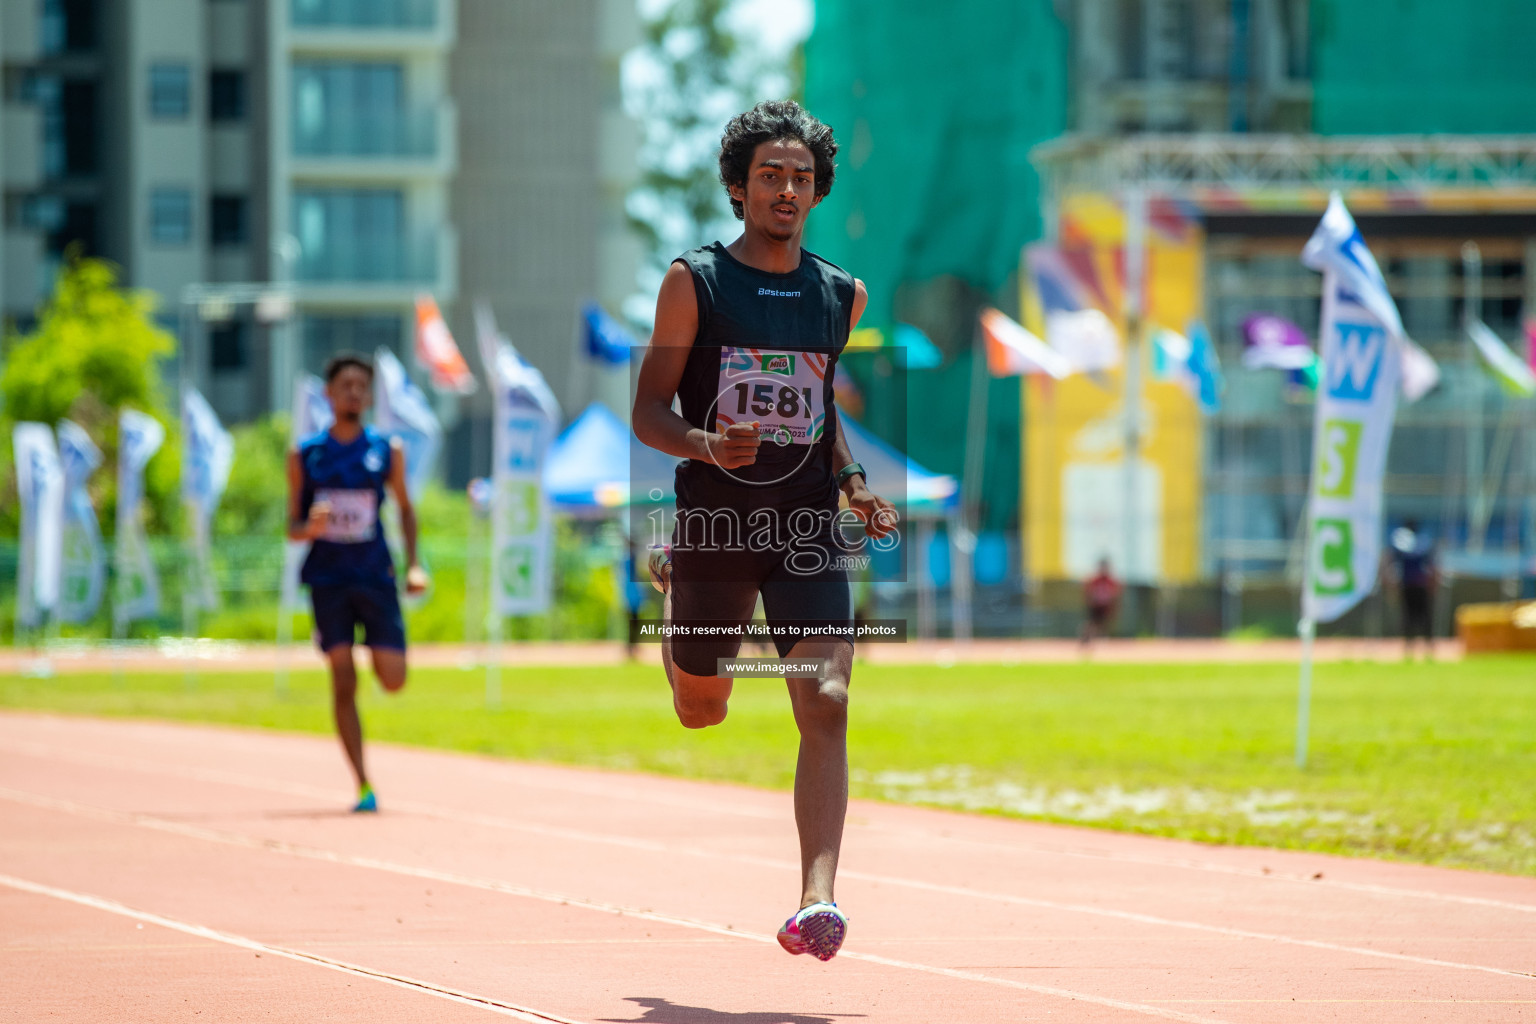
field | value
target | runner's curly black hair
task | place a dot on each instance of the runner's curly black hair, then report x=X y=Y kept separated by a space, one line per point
x=772 y=121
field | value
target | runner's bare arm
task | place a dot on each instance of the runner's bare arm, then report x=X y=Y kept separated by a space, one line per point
x=879 y=515
x=319 y=512
x=415 y=576
x=656 y=423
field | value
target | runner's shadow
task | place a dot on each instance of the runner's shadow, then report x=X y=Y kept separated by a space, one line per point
x=661 y=1011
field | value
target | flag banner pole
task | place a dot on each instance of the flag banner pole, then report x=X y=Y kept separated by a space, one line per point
x=188 y=576
x=1130 y=409
x=1307 y=629
x=1472 y=313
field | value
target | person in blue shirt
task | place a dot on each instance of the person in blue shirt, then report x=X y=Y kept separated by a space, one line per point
x=336 y=485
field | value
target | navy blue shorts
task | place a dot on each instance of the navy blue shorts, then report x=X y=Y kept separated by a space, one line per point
x=340 y=610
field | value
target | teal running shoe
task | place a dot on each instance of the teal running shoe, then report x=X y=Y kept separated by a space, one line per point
x=366 y=801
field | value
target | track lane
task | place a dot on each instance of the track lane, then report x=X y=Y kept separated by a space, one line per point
x=1072 y=949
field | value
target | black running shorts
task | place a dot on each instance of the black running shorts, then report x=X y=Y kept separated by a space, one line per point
x=806 y=586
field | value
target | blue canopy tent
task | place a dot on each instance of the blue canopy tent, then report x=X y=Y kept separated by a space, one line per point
x=890 y=473
x=588 y=470
x=590 y=465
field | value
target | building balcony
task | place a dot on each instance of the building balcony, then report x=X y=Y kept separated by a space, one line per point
x=340 y=26
x=27 y=274
x=20 y=33
x=349 y=272
x=22 y=144
x=413 y=144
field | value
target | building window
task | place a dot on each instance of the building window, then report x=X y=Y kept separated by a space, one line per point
x=348 y=107
x=226 y=96
x=325 y=336
x=228 y=223
x=227 y=346
x=170 y=91
x=170 y=216
x=352 y=235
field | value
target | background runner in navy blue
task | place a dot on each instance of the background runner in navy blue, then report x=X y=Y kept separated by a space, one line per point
x=807 y=310
x=360 y=466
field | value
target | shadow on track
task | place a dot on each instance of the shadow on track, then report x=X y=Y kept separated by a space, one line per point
x=662 y=1011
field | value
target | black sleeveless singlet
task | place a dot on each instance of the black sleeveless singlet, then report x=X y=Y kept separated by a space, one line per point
x=766 y=350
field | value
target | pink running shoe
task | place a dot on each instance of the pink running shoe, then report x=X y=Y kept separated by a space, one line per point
x=818 y=930
x=660 y=558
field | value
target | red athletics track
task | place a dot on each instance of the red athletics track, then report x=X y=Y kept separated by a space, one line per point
x=153 y=872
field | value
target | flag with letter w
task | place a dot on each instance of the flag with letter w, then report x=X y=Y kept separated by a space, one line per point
x=1360 y=351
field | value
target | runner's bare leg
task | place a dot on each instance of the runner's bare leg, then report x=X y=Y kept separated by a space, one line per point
x=344 y=707
x=821 y=772
x=700 y=701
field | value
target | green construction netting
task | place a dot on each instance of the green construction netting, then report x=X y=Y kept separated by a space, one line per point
x=936 y=107
x=1416 y=66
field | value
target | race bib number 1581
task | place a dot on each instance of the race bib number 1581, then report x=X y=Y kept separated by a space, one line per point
x=779 y=390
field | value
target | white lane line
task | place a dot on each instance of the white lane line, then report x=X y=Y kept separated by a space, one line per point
x=328 y=796
x=495 y=885
x=452 y=995
x=618 y=910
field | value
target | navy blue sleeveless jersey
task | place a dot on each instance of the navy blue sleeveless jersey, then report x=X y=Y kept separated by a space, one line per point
x=766 y=351
x=350 y=478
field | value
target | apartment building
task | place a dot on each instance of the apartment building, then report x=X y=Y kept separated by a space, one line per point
x=351 y=153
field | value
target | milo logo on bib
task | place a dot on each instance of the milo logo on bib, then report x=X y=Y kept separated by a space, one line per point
x=782 y=391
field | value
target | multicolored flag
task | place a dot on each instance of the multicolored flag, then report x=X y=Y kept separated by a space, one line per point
x=1421 y=374
x=40 y=488
x=915 y=350
x=1361 y=334
x=139 y=437
x=401 y=410
x=1274 y=343
x=438 y=353
x=85 y=560
x=505 y=365
x=311 y=409
x=1190 y=362
x=1056 y=282
x=1086 y=338
x=608 y=341
x=527 y=419
x=207 y=453
x=1512 y=372
x=311 y=414
x=1012 y=350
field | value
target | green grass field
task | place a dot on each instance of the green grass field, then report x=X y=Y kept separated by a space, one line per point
x=1434 y=763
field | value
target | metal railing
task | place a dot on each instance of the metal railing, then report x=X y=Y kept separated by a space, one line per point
x=414 y=260
x=385 y=14
x=415 y=134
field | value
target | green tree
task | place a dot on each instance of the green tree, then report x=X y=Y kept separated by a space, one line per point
x=255 y=502
x=695 y=71
x=95 y=351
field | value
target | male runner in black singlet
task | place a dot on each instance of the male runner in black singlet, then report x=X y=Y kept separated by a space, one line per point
x=747 y=338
